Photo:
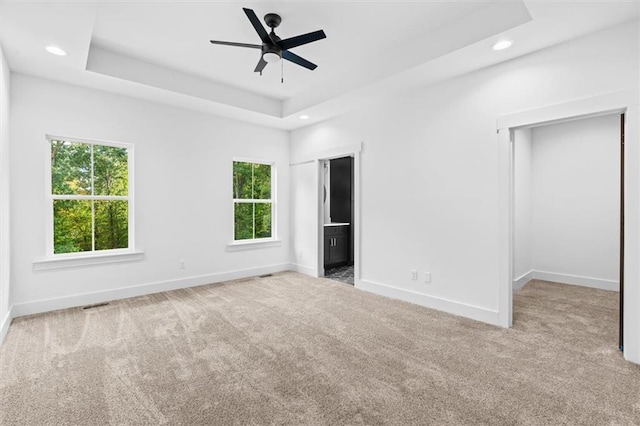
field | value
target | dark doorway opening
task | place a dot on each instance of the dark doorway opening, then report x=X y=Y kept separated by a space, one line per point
x=339 y=219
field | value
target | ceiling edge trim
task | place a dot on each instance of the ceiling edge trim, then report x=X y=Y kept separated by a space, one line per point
x=112 y=64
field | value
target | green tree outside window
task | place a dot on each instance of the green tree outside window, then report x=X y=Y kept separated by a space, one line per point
x=252 y=203
x=89 y=189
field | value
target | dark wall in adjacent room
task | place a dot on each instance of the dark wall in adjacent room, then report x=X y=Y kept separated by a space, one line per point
x=342 y=208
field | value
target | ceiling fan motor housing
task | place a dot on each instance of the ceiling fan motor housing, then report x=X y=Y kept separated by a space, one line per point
x=268 y=48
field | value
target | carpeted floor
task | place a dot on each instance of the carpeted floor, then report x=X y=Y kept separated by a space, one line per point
x=291 y=349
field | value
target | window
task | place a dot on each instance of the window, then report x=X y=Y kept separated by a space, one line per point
x=90 y=196
x=253 y=213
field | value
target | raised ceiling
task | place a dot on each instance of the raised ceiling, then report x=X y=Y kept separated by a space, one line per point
x=160 y=50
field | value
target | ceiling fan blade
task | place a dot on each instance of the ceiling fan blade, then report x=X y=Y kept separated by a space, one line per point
x=230 y=43
x=292 y=57
x=257 y=25
x=261 y=64
x=292 y=42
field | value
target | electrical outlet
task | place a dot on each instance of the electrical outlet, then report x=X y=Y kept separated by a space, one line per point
x=414 y=274
x=181 y=264
x=427 y=277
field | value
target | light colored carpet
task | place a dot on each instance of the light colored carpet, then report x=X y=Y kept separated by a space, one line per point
x=290 y=349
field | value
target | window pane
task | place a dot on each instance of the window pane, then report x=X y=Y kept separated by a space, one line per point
x=242 y=180
x=243 y=217
x=70 y=168
x=71 y=226
x=110 y=172
x=112 y=224
x=261 y=181
x=263 y=220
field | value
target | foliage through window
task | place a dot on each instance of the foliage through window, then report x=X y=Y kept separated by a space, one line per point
x=252 y=203
x=90 y=196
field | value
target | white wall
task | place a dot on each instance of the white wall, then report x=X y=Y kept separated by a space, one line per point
x=576 y=201
x=183 y=192
x=304 y=192
x=522 y=162
x=5 y=258
x=430 y=168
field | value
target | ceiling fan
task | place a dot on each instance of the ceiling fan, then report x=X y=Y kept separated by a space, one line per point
x=273 y=48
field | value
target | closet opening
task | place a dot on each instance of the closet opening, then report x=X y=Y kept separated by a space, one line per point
x=568 y=223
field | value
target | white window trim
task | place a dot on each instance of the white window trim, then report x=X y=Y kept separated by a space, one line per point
x=253 y=244
x=93 y=257
x=235 y=245
x=100 y=257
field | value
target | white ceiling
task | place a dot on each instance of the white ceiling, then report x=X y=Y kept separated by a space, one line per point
x=160 y=50
x=176 y=36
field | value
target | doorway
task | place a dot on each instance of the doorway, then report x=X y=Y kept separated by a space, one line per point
x=622 y=102
x=568 y=213
x=338 y=219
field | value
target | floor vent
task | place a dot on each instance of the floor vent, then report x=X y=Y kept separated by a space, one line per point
x=265 y=275
x=97 y=305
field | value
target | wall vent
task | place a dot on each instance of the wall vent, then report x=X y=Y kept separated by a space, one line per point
x=95 y=305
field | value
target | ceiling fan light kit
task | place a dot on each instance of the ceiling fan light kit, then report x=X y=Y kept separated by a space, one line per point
x=273 y=47
x=270 y=57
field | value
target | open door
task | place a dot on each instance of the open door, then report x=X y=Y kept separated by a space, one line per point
x=621 y=338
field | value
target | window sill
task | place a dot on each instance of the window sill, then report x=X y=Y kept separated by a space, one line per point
x=253 y=244
x=86 y=260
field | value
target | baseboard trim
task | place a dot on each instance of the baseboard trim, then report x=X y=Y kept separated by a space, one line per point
x=6 y=322
x=577 y=280
x=303 y=269
x=440 y=304
x=521 y=281
x=54 y=304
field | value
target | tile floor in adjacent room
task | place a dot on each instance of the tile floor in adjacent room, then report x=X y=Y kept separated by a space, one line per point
x=341 y=273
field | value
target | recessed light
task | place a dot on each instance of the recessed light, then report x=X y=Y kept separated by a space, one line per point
x=503 y=44
x=55 y=50
x=304 y=117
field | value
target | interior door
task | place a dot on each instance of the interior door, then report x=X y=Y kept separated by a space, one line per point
x=621 y=338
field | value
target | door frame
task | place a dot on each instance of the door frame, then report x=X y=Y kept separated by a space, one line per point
x=347 y=151
x=623 y=102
